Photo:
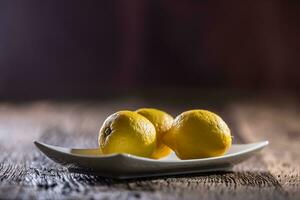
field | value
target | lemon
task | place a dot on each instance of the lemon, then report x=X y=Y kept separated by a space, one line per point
x=162 y=122
x=127 y=132
x=198 y=134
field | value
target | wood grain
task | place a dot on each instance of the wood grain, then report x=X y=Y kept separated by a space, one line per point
x=27 y=174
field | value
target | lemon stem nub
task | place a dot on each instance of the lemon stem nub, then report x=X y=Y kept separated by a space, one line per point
x=107 y=131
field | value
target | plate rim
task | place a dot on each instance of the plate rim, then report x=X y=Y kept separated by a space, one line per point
x=259 y=145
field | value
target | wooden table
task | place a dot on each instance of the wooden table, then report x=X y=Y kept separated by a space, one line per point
x=25 y=173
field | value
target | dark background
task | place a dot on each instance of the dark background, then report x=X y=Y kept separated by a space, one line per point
x=89 y=48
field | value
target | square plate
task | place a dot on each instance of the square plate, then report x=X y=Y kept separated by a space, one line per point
x=125 y=166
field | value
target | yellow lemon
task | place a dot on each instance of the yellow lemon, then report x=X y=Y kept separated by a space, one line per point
x=198 y=134
x=127 y=132
x=162 y=122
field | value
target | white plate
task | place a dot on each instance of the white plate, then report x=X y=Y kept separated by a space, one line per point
x=123 y=166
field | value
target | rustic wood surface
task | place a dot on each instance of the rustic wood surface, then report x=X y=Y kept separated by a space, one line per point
x=25 y=173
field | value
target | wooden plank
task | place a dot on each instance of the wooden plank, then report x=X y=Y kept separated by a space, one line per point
x=25 y=173
x=279 y=122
